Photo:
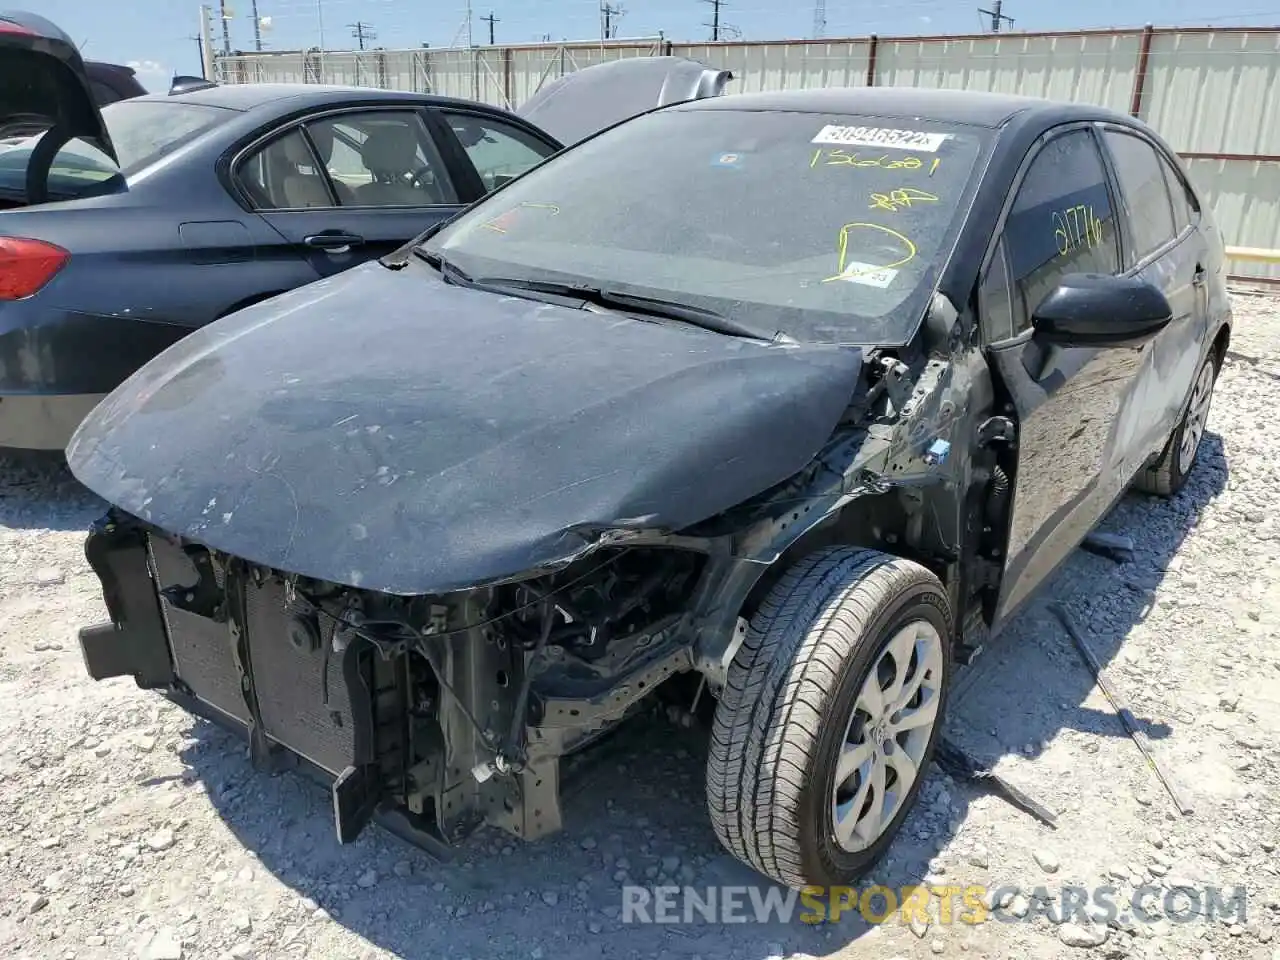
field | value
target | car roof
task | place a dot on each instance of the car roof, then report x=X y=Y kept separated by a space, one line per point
x=251 y=96
x=959 y=106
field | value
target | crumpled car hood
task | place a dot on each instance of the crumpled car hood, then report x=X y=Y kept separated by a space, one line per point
x=390 y=431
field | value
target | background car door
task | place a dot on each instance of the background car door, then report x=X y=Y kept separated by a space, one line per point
x=346 y=188
x=1163 y=248
x=1062 y=220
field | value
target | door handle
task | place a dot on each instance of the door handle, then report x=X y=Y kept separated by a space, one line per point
x=333 y=241
x=1200 y=276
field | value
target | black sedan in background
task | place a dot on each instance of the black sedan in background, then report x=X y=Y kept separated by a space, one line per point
x=124 y=229
x=798 y=395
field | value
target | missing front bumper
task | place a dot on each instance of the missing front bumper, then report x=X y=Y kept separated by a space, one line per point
x=396 y=730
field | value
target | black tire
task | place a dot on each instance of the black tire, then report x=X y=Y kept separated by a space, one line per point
x=790 y=690
x=1166 y=476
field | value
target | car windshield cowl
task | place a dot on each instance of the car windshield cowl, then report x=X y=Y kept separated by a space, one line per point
x=812 y=227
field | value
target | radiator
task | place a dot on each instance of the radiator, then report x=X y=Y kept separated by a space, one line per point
x=288 y=674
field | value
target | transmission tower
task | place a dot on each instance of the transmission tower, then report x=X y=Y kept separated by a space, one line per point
x=226 y=30
x=819 y=19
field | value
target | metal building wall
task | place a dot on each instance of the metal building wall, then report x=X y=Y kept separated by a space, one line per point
x=1213 y=94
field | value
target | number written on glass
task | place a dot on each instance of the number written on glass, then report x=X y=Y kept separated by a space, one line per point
x=1075 y=228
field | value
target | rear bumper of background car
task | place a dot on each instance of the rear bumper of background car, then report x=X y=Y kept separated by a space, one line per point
x=56 y=365
x=40 y=422
x=46 y=350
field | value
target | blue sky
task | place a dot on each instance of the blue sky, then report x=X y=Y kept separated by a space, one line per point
x=156 y=36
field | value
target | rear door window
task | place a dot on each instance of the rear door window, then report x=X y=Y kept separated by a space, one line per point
x=1146 y=193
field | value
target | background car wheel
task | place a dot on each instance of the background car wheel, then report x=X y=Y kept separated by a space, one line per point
x=1169 y=474
x=829 y=716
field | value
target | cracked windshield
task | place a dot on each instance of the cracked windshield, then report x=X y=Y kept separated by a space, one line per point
x=826 y=228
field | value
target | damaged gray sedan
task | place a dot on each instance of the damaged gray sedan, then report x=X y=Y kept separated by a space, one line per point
x=783 y=402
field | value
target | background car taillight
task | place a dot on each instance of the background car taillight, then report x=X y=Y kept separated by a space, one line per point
x=27 y=265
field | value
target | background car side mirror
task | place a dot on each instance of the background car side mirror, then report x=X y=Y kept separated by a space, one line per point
x=1097 y=310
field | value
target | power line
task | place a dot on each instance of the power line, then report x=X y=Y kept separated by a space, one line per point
x=715 y=18
x=491 y=20
x=362 y=32
x=996 y=16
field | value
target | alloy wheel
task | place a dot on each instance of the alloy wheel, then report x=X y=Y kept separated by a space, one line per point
x=887 y=735
x=1197 y=417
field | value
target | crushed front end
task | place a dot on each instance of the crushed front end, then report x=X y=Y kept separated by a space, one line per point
x=436 y=713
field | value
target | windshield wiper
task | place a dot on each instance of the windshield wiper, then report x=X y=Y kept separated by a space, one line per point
x=649 y=306
x=448 y=269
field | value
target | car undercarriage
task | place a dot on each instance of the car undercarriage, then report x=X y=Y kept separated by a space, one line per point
x=455 y=710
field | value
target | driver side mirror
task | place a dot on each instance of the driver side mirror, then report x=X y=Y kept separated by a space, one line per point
x=1099 y=310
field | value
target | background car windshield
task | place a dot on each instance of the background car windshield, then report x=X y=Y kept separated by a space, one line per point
x=827 y=227
x=142 y=132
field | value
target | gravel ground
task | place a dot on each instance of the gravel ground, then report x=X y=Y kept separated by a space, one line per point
x=128 y=829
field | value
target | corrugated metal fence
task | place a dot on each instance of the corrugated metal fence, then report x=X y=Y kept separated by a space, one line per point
x=1214 y=94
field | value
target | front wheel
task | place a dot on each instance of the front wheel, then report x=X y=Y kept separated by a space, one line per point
x=829 y=717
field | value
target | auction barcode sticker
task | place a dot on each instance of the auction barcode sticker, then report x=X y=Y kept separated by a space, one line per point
x=880 y=137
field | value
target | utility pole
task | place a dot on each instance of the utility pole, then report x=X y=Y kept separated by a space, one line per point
x=491 y=20
x=715 y=18
x=200 y=54
x=819 y=19
x=610 y=14
x=226 y=30
x=257 y=28
x=996 y=16
x=362 y=32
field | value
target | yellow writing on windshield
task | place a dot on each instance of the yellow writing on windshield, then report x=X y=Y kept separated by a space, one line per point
x=904 y=243
x=842 y=158
x=897 y=199
x=503 y=220
x=1075 y=228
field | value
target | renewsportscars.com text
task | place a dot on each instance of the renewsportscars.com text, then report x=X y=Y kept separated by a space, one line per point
x=941 y=904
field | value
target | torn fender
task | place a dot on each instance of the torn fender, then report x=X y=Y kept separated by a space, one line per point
x=383 y=429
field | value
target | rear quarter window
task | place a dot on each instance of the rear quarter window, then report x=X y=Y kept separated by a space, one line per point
x=145 y=131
